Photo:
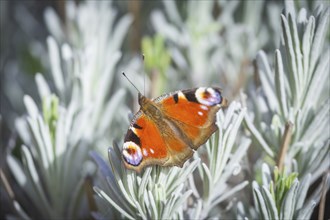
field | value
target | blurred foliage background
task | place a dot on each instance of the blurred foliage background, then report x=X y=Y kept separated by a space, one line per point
x=64 y=102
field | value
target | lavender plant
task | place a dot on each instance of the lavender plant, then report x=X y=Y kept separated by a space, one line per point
x=223 y=162
x=74 y=116
x=209 y=46
x=283 y=197
x=295 y=93
x=196 y=36
x=157 y=62
x=165 y=192
x=290 y=113
x=158 y=193
x=80 y=111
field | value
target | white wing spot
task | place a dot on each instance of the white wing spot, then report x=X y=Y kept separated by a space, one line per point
x=204 y=107
x=145 y=152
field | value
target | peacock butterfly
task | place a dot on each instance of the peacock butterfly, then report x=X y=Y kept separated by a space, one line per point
x=167 y=130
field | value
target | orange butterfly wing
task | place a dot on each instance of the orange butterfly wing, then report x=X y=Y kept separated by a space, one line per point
x=145 y=144
x=194 y=112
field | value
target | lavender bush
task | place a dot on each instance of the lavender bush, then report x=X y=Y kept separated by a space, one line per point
x=65 y=109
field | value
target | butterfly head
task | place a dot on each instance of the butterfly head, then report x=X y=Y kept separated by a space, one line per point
x=149 y=107
x=141 y=98
x=143 y=101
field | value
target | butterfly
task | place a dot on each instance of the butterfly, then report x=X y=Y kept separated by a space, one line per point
x=167 y=130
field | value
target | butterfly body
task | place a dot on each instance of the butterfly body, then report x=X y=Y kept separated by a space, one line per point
x=167 y=130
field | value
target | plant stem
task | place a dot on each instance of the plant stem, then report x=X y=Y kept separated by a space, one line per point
x=88 y=185
x=324 y=193
x=135 y=39
x=285 y=145
x=6 y=184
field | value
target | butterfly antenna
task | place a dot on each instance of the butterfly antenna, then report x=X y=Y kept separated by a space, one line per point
x=131 y=82
x=144 y=78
